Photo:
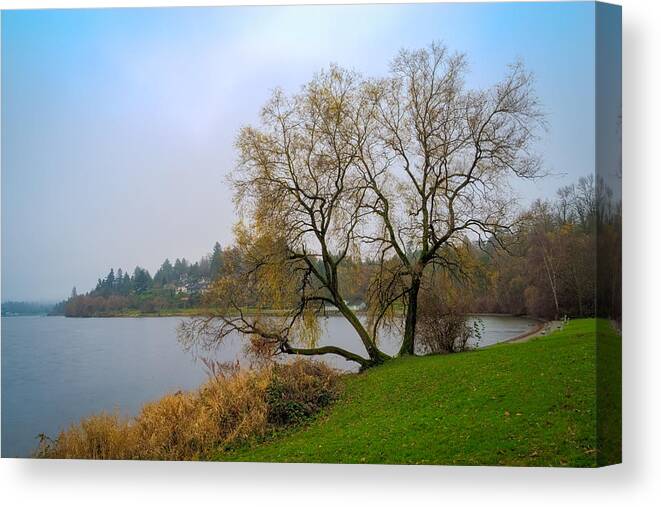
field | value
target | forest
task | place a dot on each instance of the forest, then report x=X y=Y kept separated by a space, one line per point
x=173 y=286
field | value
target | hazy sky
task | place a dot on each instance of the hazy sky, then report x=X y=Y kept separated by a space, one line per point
x=118 y=125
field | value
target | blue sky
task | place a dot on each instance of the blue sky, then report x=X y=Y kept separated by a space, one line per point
x=118 y=124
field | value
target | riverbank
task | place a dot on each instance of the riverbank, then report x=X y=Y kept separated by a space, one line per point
x=530 y=403
x=203 y=311
x=170 y=312
x=127 y=362
x=544 y=328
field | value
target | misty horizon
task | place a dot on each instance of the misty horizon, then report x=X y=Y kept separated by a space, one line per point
x=118 y=125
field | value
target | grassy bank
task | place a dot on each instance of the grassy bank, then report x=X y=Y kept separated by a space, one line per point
x=530 y=403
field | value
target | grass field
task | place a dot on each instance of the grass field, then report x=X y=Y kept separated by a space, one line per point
x=530 y=403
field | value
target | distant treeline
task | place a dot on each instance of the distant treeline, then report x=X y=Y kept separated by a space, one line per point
x=548 y=268
x=177 y=285
x=563 y=258
x=10 y=308
x=564 y=261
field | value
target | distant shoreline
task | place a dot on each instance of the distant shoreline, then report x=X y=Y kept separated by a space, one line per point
x=176 y=312
x=202 y=312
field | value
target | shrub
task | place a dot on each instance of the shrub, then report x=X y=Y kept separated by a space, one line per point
x=224 y=411
x=100 y=436
x=232 y=407
x=299 y=390
x=442 y=326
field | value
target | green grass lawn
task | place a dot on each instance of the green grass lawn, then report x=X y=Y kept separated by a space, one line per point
x=530 y=403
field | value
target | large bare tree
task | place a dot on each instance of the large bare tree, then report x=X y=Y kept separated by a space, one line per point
x=442 y=166
x=400 y=170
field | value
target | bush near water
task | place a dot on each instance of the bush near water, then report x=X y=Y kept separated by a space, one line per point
x=231 y=408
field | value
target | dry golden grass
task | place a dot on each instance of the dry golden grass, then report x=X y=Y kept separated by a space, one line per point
x=227 y=410
x=100 y=436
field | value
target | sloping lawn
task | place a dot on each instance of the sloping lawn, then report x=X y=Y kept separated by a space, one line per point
x=530 y=403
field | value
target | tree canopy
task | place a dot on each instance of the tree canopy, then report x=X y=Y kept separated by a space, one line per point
x=399 y=170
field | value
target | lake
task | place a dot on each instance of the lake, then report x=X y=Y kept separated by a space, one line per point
x=56 y=370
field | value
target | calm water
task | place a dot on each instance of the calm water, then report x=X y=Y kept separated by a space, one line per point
x=56 y=370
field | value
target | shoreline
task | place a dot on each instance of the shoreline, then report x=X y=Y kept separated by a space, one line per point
x=544 y=328
x=203 y=312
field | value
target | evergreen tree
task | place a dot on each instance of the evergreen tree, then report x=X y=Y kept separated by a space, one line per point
x=126 y=284
x=165 y=274
x=194 y=272
x=141 y=280
x=110 y=282
x=180 y=269
x=216 y=261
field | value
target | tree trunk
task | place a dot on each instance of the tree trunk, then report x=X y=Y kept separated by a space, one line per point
x=550 y=271
x=376 y=356
x=328 y=349
x=408 y=344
